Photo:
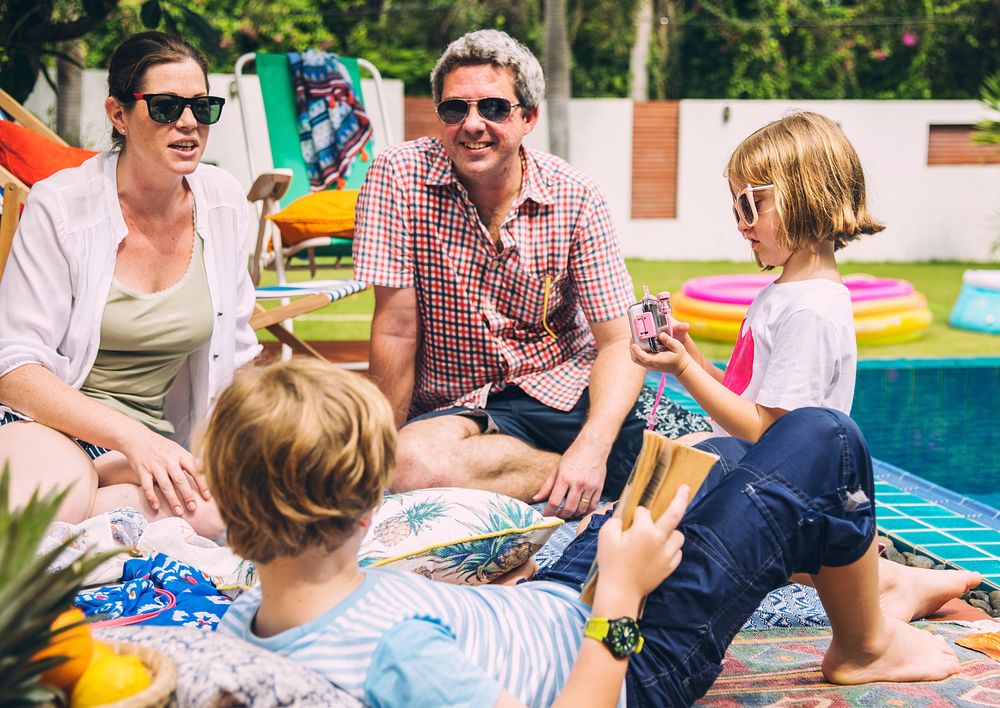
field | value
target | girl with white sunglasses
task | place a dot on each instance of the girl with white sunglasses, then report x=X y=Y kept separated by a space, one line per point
x=799 y=195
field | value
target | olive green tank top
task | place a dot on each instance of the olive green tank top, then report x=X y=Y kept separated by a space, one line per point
x=145 y=339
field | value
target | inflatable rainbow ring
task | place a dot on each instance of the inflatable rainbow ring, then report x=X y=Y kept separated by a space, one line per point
x=886 y=311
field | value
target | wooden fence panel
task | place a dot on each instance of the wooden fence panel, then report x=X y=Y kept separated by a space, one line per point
x=952 y=145
x=655 y=128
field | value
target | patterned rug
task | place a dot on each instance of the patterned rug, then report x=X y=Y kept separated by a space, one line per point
x=672 y=419
x=782 y=667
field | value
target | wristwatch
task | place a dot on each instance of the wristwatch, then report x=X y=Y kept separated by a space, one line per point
x=620 y=635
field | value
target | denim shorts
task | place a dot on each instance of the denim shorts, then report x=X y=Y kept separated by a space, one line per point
x=513 y=412
x=93 y=451
x=799 y=499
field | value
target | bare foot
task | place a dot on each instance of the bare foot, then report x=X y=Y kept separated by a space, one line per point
x=900 y=653
x=908 y=594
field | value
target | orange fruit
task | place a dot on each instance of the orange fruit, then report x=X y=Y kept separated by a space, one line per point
x=75 y=643
x=101 y=650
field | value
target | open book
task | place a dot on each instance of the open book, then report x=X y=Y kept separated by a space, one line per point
x=661 y=468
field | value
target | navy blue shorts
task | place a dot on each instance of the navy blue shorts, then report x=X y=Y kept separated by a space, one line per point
x=93 y=451
x=800 y=499
x=513 y=412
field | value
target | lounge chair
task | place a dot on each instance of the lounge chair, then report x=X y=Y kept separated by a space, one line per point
x=285 y=180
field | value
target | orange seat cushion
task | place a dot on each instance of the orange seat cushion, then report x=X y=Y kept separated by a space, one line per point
x=32 y=157
x=327 y=213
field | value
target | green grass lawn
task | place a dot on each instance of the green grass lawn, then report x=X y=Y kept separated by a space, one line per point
x=940 y=282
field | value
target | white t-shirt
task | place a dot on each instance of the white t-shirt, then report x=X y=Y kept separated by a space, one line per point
x=796 y=348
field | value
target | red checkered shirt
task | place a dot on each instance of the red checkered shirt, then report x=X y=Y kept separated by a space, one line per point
x=480 y=306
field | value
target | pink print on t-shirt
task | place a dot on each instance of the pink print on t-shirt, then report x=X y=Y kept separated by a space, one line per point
x=740 y=368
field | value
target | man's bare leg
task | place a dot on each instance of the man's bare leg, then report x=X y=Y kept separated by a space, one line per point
x=909 y=594
x=450 y=450
x=868 y=645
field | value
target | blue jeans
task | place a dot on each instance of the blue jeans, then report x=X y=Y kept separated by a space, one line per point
x=790 y=503
x=513 y=412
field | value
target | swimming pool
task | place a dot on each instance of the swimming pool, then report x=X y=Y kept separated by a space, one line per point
x=933 y=427
x=936 y=418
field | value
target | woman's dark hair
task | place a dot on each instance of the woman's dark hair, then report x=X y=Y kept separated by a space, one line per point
x=132 y=59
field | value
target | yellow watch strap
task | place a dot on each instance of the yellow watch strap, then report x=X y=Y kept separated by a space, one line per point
x=597 y=628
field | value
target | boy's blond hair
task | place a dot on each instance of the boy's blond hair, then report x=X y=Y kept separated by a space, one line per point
x=819 y=184
x=295 y=453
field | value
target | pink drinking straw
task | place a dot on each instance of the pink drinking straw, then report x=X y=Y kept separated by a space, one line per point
x=664 y=299
x=656 y=402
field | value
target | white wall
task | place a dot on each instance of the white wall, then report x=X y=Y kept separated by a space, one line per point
x=932 y=212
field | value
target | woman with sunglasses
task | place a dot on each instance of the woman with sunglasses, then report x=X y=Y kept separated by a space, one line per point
x=799 y=195
x=124 y=307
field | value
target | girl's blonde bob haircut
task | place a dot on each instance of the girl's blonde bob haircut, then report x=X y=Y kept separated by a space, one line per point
x=819 y=184
x=295 y=453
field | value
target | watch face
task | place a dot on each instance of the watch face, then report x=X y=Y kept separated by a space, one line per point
x=623 y=637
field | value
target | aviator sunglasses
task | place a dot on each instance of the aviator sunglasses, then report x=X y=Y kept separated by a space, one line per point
x=744 y=205
x=455 y=110
x=166 y=107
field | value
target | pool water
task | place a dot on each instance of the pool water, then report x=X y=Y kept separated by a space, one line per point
x=936 y=418
x=933 y=428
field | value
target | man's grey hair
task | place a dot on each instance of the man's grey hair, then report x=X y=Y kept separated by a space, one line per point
x=497 y=49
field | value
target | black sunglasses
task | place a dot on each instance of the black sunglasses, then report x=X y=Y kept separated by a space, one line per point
x=166 y=107
x=455 y=110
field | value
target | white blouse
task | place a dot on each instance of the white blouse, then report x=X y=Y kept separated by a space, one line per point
x=56 y=282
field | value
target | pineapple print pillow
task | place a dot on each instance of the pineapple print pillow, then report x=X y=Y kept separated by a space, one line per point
x=461 y=536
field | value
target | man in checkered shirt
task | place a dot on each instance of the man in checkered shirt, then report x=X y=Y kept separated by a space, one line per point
x=499 y=334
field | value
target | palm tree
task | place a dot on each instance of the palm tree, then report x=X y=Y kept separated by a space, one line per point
x=29 y=32
x=557 y=61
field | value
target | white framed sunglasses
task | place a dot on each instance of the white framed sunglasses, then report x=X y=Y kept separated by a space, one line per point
x=744 y=207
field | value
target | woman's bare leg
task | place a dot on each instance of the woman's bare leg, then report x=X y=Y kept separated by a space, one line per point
x=42 y=459
x=119 y=486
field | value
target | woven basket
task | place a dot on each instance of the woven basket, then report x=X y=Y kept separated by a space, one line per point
x=163 y=670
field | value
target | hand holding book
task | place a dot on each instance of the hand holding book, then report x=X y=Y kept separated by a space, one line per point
x=662 y=468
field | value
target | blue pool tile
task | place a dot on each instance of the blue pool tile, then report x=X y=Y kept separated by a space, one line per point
x=885 y=512
x=900 y=523
x=955 y=523
x=986 y=567
x=960 y=552
x=928 y=538
x=976 y=536
x=902 y=498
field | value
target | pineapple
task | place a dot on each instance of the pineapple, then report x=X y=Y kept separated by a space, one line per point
x=398 y=527
x=516 y=553
x=30 y=596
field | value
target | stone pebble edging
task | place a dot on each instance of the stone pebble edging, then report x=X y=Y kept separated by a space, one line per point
x=988 y=602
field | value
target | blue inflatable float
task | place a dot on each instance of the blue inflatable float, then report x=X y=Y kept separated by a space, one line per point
x=978 y=304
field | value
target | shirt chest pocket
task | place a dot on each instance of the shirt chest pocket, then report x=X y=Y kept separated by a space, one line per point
x=532 y=294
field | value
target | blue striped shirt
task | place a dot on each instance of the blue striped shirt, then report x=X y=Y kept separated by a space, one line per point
x=400 y=639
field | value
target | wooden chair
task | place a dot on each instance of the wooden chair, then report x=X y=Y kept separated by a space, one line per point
x=14 y=191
